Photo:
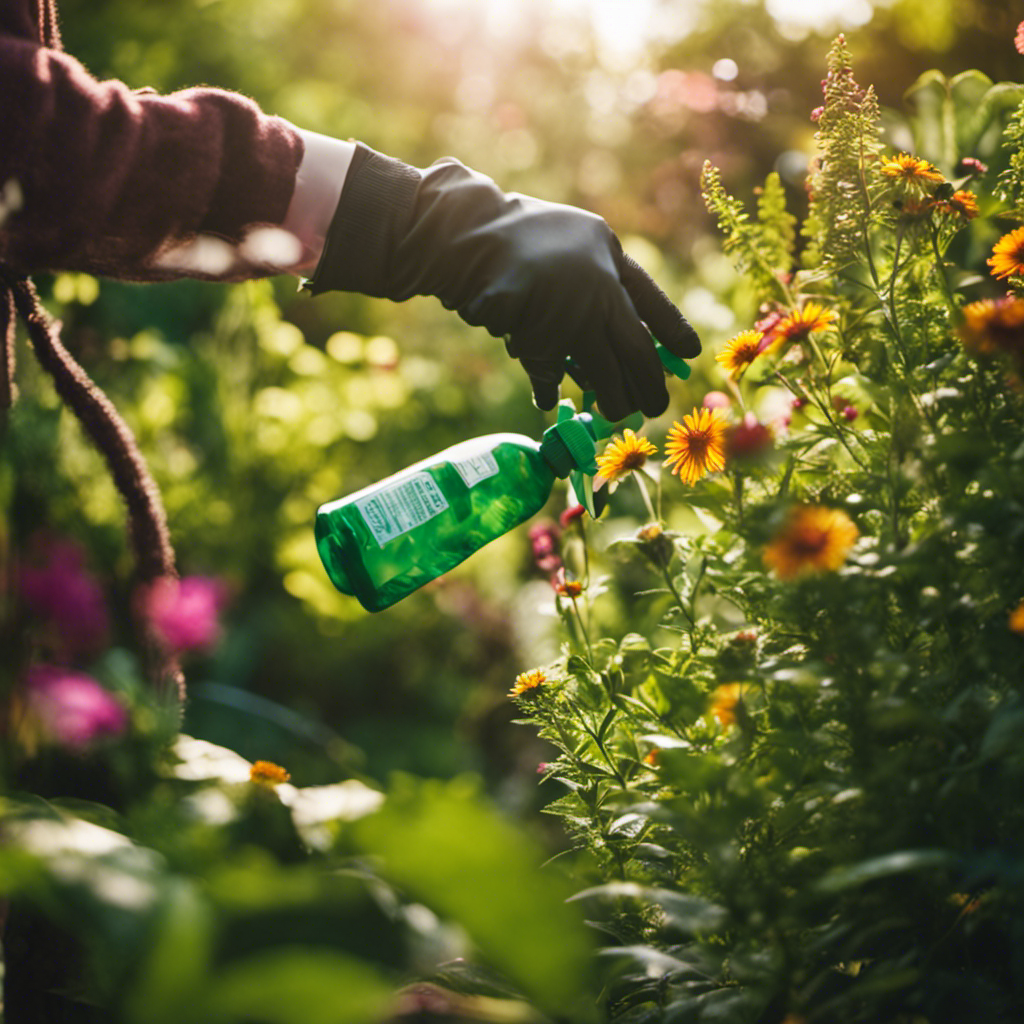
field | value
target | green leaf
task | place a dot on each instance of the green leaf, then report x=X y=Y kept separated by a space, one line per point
x=934 y=119
x=445 y=846
x=297 y=986
x=684 y=913
x=899 y=863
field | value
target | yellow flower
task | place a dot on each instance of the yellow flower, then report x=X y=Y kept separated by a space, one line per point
x=993 y=324
x=1017 y=619
x=527 y=681
x=696 y=446
x=911 y=171
x=740 y=352
x=813 y=538
x=624 y=454
x=725 y=702
x=801 y=322
x=1007 y=259
x=266 y=773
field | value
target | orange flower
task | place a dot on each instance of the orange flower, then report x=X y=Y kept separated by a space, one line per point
x=624 y=454
x=801 y=322
x=740 y=352
x=911 y=171
x=1007 y=259
x=994 y=324
x=565 y=587
x=961 y=203
x=1017 y=619
x=725 y=701
x=527 y=681
x=266 y=773
x=651 y=757
x=813 y=538
x=696 y=446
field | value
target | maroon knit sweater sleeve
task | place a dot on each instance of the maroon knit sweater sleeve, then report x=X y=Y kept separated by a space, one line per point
x=110 y=180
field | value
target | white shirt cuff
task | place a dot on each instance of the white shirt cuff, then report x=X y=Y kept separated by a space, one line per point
x=318 y=183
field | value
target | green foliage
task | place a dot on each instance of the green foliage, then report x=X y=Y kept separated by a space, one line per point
x=791 y=792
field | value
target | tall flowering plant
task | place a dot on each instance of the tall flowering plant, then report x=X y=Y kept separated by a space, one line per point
x=788 y=711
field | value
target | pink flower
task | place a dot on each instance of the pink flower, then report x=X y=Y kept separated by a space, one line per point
x=57 y=589
x=747 y=439
x=767 y=326
x=184 y=613
x=544 y=542
x=717 y=400
x=71 y=708
x=850 y=413
x=1018 y=39
x=816 y=113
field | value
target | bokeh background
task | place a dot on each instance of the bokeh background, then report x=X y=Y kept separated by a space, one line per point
x=254 y=403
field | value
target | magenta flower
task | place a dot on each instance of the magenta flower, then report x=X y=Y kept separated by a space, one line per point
x=185 y=613
x=57 y=589
x=544 y=542
x=716 y=400
x=70 y=708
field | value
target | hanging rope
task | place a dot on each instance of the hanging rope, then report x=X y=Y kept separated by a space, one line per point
x=147 y=521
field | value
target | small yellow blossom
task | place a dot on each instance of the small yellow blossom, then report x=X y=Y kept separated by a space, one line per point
x=527 y=681
x=696 y=446
x=801 y=322
x=266 y=773
x=911 y=171
x=813 y=538
x=624 y=454
x=740 y=352
x=991 y=325
x=725 y=702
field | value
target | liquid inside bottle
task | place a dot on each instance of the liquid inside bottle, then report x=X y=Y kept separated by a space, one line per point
x=391 y=538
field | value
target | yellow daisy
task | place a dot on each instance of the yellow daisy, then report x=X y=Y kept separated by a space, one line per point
x=527 y=681
x=813 y=538
x=912 y=171
x=801 y=322
x=740 y=352
x=696 y=446
x=624 y=454
x=1007 y=259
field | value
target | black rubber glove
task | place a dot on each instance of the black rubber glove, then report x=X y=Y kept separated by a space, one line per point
x=552 y=279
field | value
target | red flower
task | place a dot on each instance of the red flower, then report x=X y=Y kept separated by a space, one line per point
x=747 y=439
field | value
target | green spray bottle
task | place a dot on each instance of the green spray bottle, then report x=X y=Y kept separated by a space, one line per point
x=387 y=540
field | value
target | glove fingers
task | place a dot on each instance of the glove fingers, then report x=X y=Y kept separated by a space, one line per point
x=545 y=379
x=605 y=357
x=656 y=309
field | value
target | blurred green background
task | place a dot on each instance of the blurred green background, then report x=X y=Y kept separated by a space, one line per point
x=254 y=403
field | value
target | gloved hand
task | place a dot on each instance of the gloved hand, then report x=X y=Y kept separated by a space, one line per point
x=552 y=279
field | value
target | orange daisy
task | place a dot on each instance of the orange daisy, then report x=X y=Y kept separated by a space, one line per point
x=961 y=203
x=797 y=324
x=527 y=681
x=813 y=538
x=994 y=324
x=696 y=446
x=624 y=454
x=911 y=171
x=725 y=701
x=1007 y=259
x=1017 y=619
x=740 y=352
x=266 y=773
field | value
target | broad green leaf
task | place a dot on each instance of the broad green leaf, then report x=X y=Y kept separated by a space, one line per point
x=448 y=848
x=899 y=863
x=298 y=986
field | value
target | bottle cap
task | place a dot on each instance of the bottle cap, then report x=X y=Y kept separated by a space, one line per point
x=569 y=445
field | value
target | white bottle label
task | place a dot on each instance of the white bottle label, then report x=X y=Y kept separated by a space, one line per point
x=477 y=468
x=401 y=507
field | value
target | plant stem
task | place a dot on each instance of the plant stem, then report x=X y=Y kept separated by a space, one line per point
x=647 y=498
